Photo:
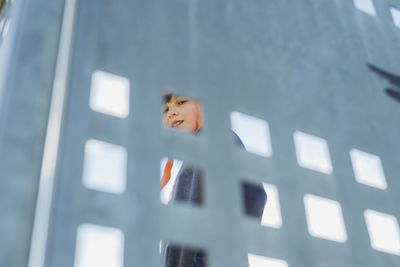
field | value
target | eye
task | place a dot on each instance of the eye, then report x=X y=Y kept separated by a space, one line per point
x=181 y=102
x=165 y=110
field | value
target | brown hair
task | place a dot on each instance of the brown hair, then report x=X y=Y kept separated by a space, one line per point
x=167 y=97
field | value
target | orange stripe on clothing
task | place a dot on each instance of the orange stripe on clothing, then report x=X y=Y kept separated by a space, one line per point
x=167 y=173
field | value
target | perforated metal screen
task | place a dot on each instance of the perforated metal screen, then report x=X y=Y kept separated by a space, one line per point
x=301 y=66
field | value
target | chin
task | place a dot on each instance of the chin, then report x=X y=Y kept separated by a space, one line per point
x=186 y=129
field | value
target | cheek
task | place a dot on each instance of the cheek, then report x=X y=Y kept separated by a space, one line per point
x=191 y=113
x=164 y=120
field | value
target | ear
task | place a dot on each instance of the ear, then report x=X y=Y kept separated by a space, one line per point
x=199 y=121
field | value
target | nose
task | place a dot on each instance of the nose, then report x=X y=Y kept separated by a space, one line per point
x=171 y=112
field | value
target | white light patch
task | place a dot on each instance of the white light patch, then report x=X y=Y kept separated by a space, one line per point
x=5 y=28
x=253 y=132
x=396 y=16
x=104 y=167
x=261 y=261
x=272 y=212
x=312 y=152
x=109 y=94
x=99 y=246
x=166 y=192
x=366 y=6
x=324 y=218
x=368 y=169
x=383 y=231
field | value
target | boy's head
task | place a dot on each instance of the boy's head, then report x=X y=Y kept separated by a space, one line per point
x=182 y=113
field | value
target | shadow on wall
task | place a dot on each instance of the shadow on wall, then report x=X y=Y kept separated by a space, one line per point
x=392 y=78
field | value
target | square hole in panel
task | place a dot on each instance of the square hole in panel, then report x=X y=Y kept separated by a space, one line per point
x=262 y=201
x=396 y=16
x=252 y=133
x=254 y=199
x=324 y=218
x=104 y=167
x=174 y=255
x=181 y=113
x=262 y=261
x=181 y=182
x=368 y=169
x=272 y=211
x=109 y=94
x=383 y=230
x=312 y=152
x=99 y=246
x=366 y=6
x=169 y=169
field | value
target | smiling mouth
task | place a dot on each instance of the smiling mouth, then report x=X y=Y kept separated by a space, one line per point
x=176 y=124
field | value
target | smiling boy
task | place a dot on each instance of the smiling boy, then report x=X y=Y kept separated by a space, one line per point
x=186 y=114
x=183 y=113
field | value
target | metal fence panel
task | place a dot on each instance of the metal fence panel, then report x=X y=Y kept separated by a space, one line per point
x=300 y=66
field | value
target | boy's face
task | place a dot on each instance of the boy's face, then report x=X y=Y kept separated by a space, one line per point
x=182 y=113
